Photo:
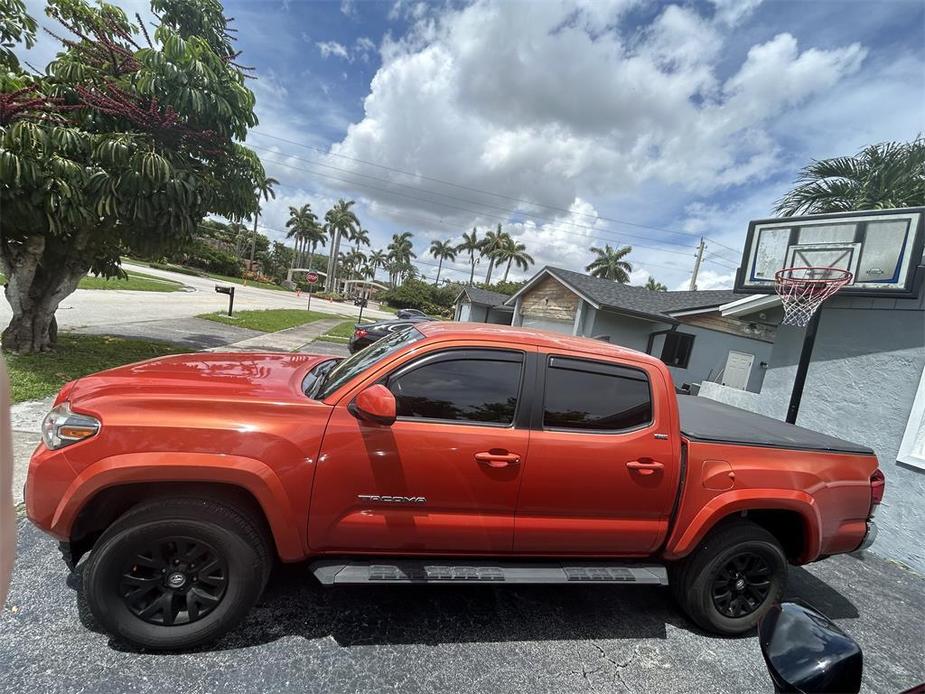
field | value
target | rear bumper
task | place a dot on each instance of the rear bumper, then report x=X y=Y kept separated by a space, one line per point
x=869 y=537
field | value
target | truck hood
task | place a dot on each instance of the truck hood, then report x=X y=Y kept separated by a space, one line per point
x=275 y=376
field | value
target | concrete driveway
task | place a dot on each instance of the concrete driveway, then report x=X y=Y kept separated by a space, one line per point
x=304 y=638
x=88 y=308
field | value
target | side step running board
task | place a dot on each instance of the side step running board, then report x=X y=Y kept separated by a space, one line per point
x=482 y=571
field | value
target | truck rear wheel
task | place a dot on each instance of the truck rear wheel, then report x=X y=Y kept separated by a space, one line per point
x=176 y=573
x=732 y=579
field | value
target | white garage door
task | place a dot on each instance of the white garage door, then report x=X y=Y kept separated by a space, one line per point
x=559 y=326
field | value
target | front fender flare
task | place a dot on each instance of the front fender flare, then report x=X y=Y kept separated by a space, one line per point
x=171 y=466
x=683 y=540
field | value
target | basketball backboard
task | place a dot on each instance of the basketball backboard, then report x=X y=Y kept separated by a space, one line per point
x=882 y=249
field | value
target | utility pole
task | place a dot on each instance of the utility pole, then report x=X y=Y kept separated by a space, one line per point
x=693 y=285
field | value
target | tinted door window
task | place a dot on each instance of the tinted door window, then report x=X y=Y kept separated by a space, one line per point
x=595 y=396
x=479 y=387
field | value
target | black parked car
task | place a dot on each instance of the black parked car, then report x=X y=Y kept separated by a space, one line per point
x=366 y=333
x=410 y=313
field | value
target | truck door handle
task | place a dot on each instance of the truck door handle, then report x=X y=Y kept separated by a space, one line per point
x=645 y=466
x=497 y=458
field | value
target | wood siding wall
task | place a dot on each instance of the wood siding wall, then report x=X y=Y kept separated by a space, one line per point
x=732 y=326
x=549 y=300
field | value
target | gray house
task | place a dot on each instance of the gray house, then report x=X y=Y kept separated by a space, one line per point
x=482 y=306
x=684 y=329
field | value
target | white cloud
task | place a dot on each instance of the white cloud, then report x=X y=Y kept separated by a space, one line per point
x=732 y=12
x=709 y=279
x=329 y=48
x=564 y=102
x=348 y=8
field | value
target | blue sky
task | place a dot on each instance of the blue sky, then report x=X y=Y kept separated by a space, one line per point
x=571 y=123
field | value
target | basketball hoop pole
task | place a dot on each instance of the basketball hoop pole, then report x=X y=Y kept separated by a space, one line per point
x=802 y=292
x=806 y=356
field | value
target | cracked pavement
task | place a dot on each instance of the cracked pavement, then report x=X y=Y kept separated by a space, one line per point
x=302 y=637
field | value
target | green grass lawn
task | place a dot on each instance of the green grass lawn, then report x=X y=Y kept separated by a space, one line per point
x=136 y=281
x=339 y=333
x=267 y=321
x=37 y=375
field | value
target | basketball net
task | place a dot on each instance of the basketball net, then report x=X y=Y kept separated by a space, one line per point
x=803 y=289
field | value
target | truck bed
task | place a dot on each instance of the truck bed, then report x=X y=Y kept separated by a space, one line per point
x=703 y=419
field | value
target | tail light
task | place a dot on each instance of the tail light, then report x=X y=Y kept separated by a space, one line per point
x=358 y=333
x=877 y=485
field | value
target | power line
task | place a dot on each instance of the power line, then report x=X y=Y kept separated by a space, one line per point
x=485 y=192
x=469 y=210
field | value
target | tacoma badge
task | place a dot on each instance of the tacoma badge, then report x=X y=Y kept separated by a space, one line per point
x=393 y=499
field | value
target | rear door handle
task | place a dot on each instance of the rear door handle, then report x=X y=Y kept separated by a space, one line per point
x=645 y=466
x=497 y=459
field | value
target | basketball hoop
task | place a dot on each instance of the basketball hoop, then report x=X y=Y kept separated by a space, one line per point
x=803 y=289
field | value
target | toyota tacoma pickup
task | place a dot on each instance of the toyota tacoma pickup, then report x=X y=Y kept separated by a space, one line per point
x=445 y=453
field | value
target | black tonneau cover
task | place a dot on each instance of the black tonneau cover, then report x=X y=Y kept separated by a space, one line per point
x=703 y=419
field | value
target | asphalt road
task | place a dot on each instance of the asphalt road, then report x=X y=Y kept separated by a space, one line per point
x=304 y=638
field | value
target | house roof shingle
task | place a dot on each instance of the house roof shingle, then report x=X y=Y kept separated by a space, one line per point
x=639 y=300
x=477 y=295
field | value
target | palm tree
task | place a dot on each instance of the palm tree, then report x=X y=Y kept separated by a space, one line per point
x=400 y=253
x=655 y=286
x=609 y=263
x=889 y=174
x=360 y=237
x=470 y=245
x=442 y=250
x=340 y=220
x=265 y=190
x=378 y=259
x=303 y=226
x=513 y=252
x=490 y=246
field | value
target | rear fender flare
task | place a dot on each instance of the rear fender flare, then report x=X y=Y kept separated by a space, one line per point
x=683 y=541
x=170 y=466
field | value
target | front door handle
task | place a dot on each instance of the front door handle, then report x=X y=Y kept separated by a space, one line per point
x=645 y=466
x=497 y=458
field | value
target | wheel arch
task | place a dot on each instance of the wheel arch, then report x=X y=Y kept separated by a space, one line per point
x=110 y=487
x=793 y=519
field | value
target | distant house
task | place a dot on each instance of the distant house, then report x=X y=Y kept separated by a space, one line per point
x=684 y=329
x=478 y=305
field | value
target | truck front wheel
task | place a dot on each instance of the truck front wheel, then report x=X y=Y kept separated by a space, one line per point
x=732 y=579
x=176 y=573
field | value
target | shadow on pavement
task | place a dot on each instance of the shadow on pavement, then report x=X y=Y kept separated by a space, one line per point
x=294 y=604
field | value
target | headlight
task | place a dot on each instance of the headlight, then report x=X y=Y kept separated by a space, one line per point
x=61 y=427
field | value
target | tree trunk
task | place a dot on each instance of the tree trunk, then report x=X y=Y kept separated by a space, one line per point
x=491 y=266
x=439 y=268
x=472 y=271
x=508 y=268
x=37 y=282
x=254 y=241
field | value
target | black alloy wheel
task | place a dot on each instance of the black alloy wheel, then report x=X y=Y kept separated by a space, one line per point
x=173 y=581
x=742 y=585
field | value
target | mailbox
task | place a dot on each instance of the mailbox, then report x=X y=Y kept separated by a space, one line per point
x=230 y=292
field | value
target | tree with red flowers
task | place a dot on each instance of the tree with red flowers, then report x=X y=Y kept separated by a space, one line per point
x=128 y=139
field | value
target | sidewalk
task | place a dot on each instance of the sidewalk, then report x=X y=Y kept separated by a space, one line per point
x=289 y=340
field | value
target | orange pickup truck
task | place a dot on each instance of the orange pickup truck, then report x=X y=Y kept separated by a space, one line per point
x=444 y=453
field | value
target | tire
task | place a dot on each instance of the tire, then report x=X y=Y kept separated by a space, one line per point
x=707 y=584
x=142 y=583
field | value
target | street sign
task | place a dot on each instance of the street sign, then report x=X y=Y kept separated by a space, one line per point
x=311 y=277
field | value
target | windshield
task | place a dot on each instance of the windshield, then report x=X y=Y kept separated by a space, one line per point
x=365 y=358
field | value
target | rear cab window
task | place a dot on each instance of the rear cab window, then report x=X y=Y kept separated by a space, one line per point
x=595 y=396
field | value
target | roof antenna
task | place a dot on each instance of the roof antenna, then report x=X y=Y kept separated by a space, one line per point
x=602 y=338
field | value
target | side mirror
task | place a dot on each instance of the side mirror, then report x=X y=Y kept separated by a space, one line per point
x=806 y=652
x=375 y=404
